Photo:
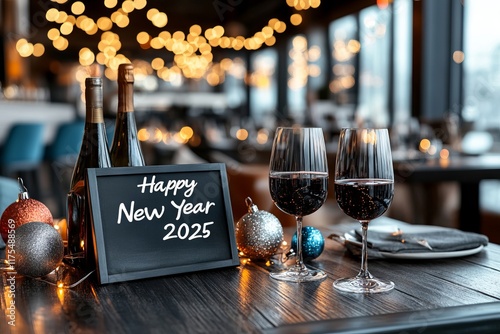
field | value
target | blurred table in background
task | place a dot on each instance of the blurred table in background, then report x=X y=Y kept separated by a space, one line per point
x=468 y=171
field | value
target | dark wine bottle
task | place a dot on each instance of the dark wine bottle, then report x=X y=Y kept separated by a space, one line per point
x=94 y=153
x=125 y=149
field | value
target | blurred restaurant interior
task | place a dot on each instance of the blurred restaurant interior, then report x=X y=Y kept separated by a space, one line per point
x=213 y=80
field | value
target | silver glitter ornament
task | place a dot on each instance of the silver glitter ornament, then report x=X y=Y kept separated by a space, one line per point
x=258 y=233
x=39 y=249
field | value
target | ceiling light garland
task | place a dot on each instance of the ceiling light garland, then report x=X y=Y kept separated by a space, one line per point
x=192 y=51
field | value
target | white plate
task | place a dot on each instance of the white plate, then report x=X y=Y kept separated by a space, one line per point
x=350 y=239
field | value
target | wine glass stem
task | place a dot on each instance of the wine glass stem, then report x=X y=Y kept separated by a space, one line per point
x=364 y=273
x=299 y=262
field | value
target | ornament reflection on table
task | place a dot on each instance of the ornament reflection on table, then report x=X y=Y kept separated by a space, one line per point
x=258 y=233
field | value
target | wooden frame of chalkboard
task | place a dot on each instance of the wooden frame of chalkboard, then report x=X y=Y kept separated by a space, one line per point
x=160 y=220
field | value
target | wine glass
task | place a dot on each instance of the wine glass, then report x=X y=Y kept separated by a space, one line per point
x=364 y=188
x=298 y=181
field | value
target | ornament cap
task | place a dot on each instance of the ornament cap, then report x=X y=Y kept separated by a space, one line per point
x=23 y=194
x=252 y=208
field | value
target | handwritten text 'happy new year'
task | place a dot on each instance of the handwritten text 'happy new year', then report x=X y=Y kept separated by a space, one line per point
x=170 y=187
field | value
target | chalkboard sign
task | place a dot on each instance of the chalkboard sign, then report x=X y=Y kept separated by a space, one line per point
x=160 y=220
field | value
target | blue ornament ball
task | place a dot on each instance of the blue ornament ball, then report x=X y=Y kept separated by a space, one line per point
x=313 y=243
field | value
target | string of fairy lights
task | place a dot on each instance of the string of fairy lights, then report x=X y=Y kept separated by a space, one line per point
x=192 y=50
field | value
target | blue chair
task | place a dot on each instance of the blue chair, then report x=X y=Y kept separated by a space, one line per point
x=61 y=156
x=9 y=190
x=67 y=141
x=22 y=154
x=23 y=148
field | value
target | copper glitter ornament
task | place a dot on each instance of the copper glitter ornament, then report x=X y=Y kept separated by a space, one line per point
x=258 y=233
x=23 y=211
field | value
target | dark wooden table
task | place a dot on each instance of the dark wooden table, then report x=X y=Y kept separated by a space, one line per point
x=443 y=295
x=468 y=171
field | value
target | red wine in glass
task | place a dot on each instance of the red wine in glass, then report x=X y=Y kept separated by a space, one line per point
x=364 y=199
x=299 y=194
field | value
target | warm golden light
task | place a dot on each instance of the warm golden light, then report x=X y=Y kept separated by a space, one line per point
x=425 y=144
x=87 y=57
x=104 y=23
x=369 y=137
x=303 y=4
x=52 y=14
x=458 y=57
x=315 y=3
x=280 y=27
x=110 y=3
x=383 y=4
x=24 y=48
x=296 y=19
x=66 y=28
x=444 y=154
x=353 y=46
x=269 y=41
x=142 y=37
x=60 y=43
x=77 y=8
x=159 y=20
x=63 y=17
x=154 y=135
x=38 y=50
x=151 y=13
x=193 y=56
x=241 y=134
x=143 y=134
x=186 y=132
x=195 y=30
x=140 y=4
x=262 y=136
x=128 y=6
x=157 y=63
x=218 y=31
x=267 y=31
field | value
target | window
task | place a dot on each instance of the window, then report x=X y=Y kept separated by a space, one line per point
x=402 y=27
x=374 y=66
x=481 y=80
x=371 y=57
x=263 y=81
x=345 y=47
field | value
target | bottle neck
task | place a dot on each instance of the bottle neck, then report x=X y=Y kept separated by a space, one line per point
x=94 y=115
x=93 y=103
x=125 y=97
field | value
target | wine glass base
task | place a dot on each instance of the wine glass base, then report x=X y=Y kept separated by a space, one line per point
x=363 y=285
x=297 y=275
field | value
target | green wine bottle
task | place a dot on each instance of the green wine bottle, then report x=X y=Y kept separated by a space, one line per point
x=93 y=154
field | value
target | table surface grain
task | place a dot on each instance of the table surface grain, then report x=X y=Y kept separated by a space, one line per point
x=244 y=299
